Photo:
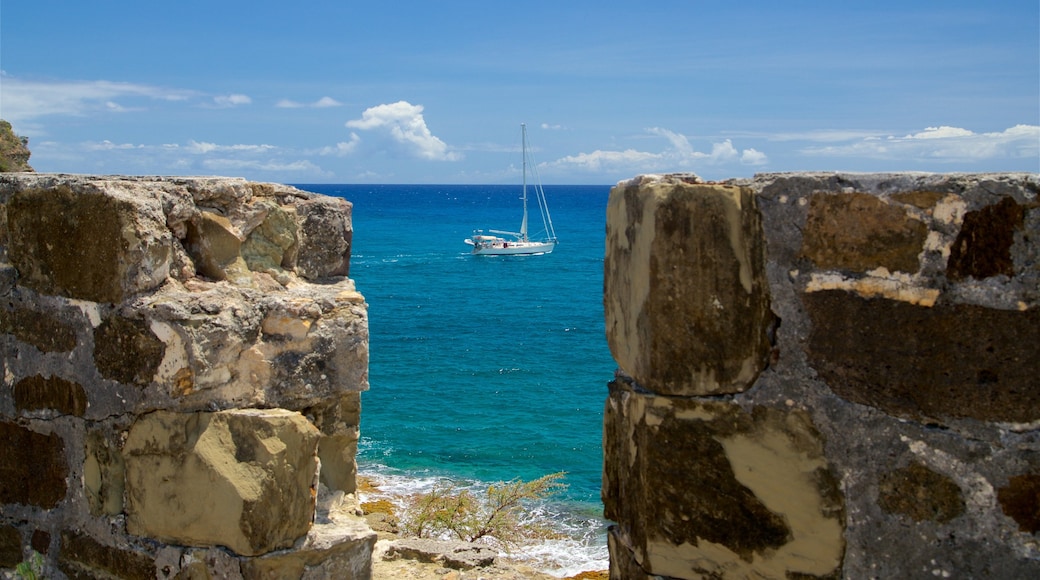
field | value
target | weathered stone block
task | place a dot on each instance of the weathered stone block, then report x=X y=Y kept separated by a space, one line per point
x=86 y=244
x=46 y=332
x=860 y=232
x=244 y=479
x=940 y=362
x=127 y=351
x=10 y=546
x=1020 y=500
x=326 y=233
x=983 y=246
x=341 y=550
x=686 y=299
x=84 y=557
x=272 y=246
x=920 y=494
x=215 y=246
x=103 y=475
x=37 y=393
x=32 y=467
x=702 y=488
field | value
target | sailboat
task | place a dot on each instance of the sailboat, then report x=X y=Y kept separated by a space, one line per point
x=519 y=243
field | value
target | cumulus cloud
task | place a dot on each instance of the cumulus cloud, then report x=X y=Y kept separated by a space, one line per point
x=25 y=100
x=342 y=149
x=941 y=144
x=234 y=100
x=679 y=155
x=404 y=124
x=322 y=103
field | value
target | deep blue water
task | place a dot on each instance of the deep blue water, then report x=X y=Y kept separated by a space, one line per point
x=482 y=368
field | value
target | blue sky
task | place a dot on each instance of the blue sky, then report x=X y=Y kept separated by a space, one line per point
x=434 y=92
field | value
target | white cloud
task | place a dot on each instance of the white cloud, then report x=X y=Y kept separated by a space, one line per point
x=403 y=122
x=24 y=100
x=322 y=103
x=549 y=127
x=942 y=144
x=227 y=101
x=342 y=149
x=679 y=155
x=203 y=148
x=753 y=157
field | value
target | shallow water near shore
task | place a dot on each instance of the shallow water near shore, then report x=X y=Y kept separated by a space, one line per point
x=485 y=368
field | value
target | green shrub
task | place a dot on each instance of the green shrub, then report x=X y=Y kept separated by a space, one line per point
x=500 y=516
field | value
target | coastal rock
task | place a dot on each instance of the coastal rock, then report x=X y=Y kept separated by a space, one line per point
x=455 y=555
x=686 y=298
x=244 y=479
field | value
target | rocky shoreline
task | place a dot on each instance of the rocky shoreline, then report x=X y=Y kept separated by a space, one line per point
x=396 y=556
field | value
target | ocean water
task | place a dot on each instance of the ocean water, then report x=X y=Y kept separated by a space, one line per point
x=485 y=368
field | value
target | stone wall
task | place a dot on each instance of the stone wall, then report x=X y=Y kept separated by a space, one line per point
x=824 y=376
x=182 y=366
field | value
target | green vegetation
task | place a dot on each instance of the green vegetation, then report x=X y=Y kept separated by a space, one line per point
x=31 y=569
x=499 y=517
x=14 y=150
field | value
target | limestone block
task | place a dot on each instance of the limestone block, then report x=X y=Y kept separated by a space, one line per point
x=686 y=299
x=949 y=360
x=87 y=242
x=104 y=474
x=272 y=245
x=85 y=557
x=33 y=468
x=244 y=479
x=339 y=421
x=860 y=232
x=214 y=245
x=326 y=233
x=37 y=393
x=339 y=550
x=701 y=488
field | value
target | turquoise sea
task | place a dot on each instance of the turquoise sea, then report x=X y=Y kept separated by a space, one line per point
x=485 y=368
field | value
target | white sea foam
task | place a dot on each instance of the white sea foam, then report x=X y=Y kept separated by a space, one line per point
x=581 y=545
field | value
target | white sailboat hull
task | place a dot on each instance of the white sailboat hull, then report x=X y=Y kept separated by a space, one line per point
x=500 y=247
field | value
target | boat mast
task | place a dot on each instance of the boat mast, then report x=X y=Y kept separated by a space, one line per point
x=523 y=139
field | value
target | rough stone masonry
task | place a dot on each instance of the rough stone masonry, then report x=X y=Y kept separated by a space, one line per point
x=824 y=376
x=182 y=366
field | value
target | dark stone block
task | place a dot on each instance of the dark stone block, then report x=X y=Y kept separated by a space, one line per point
x=860 y=232
x=921 y=494
x=40 y=329
x=68 y=244
x=127 y=350
x=983 y=246
x=38 y=393
x=927 y=363
x=10 y=547
x=32 y=467
x=84 y=557
x=1020 y=500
